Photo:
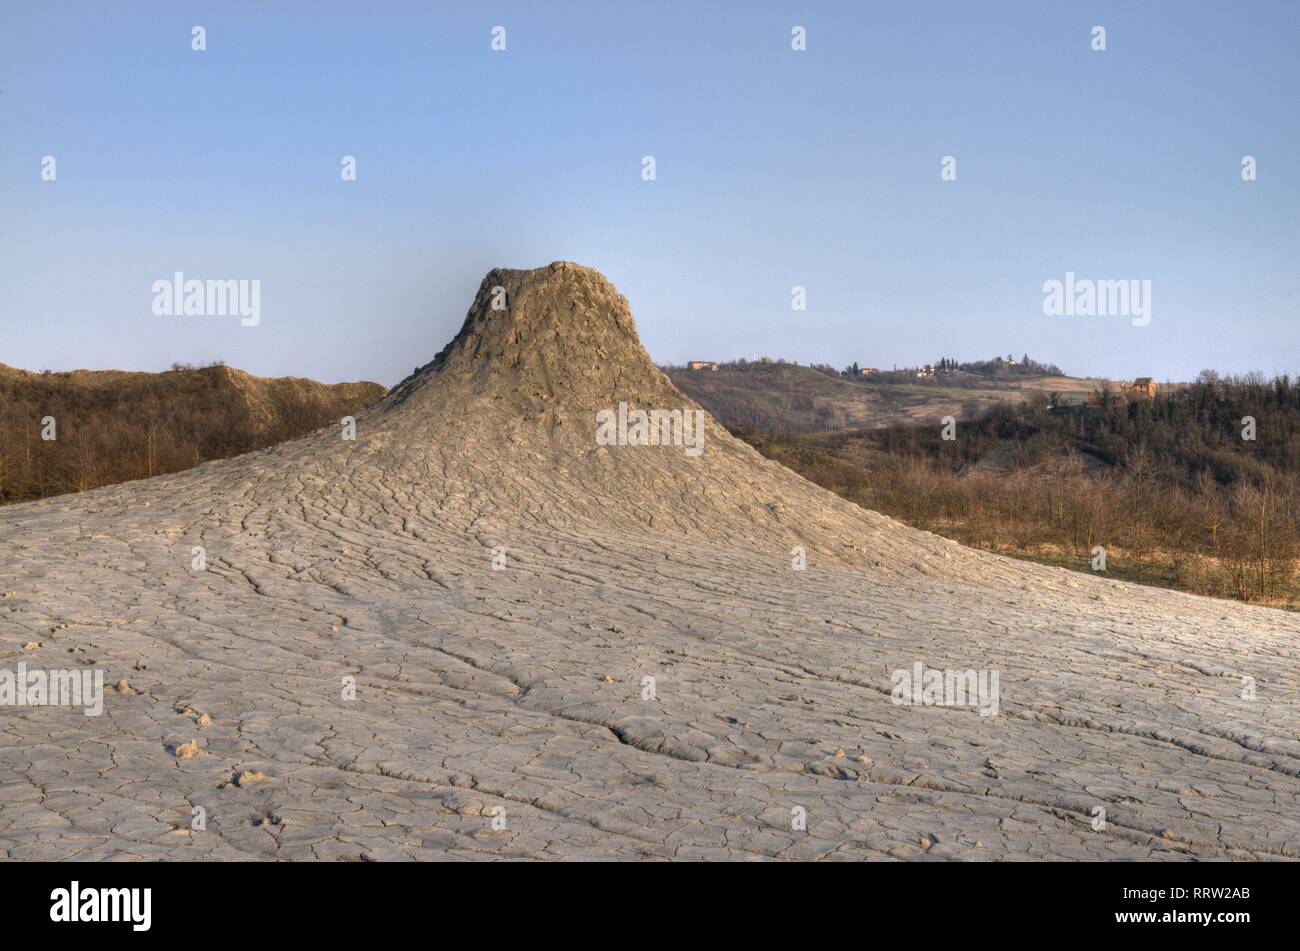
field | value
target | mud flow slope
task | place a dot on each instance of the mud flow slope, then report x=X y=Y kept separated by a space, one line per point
x=474 y=631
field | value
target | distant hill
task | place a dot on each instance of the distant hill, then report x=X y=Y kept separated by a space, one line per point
x=113 y=426
x=785 y=398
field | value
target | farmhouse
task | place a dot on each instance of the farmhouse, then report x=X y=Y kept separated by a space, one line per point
x=1143 y=388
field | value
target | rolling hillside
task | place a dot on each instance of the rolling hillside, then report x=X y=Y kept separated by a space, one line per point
x=111 y=426
x=786 y=399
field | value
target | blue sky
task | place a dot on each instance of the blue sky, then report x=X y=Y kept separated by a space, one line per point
x=775 y=168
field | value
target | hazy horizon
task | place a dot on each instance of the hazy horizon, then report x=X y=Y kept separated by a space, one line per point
x=775 y=169
x=751 y=357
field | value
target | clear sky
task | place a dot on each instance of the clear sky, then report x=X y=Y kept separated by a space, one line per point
x=775 y=168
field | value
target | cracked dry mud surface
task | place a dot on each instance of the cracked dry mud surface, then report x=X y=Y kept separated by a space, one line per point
x=521 y=688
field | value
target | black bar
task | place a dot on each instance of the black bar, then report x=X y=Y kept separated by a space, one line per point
x=329 y=901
